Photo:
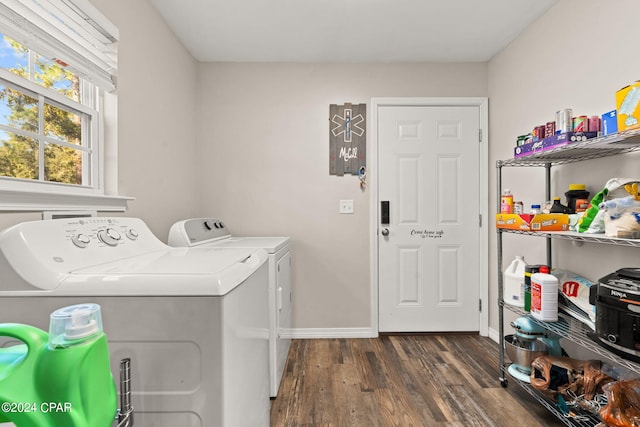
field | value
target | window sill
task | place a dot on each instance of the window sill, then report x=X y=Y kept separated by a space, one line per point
x=29 y=201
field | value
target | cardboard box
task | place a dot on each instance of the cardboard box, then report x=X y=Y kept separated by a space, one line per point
x=609 y=123
x=628 y=106
x=554 y=141
x=514 y=221
x=538 y=222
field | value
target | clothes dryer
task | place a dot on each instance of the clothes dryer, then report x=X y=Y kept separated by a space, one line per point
x=212 y=232
x=192 y=320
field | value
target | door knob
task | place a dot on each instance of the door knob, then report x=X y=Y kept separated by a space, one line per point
x=385 y=232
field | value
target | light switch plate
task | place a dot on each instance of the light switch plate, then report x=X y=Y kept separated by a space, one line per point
x=346 y=206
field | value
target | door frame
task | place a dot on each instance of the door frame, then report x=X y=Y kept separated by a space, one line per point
x=483 y=169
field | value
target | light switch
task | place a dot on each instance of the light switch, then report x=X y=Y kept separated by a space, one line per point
x=346 y=206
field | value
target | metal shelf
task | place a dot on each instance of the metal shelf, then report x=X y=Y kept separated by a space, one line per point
x=572 y=329
x=604 y=146
x=578 y=237
x=584 y=419
x=576 y=331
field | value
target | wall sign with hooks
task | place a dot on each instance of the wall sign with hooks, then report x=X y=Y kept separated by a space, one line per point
x=347 y=140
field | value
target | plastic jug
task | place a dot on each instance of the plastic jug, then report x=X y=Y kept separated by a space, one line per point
x=514 y=282
x=58 y=379
x=544 y=296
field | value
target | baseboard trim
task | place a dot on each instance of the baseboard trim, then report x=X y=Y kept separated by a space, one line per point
x=494 y=335
x=311 y=333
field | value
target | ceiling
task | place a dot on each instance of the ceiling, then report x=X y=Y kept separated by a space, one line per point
x=348 y=30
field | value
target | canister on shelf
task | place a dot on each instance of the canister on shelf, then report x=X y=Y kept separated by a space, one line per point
x=544 y=295
x=549 y=129
x=518 y=208
x=538 y=133
x=506 y=202
x=521 y=140
x=576 y=191
x=564 y=121
x=582 y=205
x=580 y=123
x=594 y=124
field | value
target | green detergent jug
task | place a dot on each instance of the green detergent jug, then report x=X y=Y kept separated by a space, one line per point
x=60 y=379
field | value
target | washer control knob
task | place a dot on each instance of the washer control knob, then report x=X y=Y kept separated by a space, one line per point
x=109 y=236
x=208 y=224
x=81 y=240
x=132 y=234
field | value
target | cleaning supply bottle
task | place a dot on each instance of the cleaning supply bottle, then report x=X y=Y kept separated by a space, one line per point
x=514 y=282
x=558 y=207
x=576 y=192
x=529 y=270
x=544 y=296
x=64 y=376
x=506 y=202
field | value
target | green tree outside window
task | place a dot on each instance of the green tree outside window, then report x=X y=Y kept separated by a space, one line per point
x=22 y=141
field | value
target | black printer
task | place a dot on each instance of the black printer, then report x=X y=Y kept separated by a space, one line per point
x=617 y=301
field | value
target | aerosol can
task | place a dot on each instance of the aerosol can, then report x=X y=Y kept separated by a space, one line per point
x=59 y=379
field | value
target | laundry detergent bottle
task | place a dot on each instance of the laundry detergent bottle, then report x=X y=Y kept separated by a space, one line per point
x=64 y=377
x=17 y=366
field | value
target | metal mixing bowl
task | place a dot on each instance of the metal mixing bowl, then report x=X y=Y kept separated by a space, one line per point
x=523 y=352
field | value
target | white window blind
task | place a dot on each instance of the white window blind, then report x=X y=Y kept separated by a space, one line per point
x=73 y=32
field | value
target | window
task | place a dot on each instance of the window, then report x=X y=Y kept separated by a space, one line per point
x=57 y=66
x=46 y=130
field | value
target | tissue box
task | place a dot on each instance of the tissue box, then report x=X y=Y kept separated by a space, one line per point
x=628 y=106
x=609 y=123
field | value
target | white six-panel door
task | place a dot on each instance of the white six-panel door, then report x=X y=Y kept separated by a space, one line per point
x=428 y=253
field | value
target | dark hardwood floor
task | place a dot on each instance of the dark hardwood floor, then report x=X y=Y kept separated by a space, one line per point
x=401 y=380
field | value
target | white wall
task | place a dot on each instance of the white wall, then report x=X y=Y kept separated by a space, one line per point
x=575 y=56
x=264 y=150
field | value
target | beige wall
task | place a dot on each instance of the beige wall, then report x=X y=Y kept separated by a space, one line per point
x=157 y=124
x=157 y=90
x=576 y=56
x=249 y=142
x=264 y=152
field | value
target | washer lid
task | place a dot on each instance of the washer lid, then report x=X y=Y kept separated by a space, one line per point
x=202 y=261
x=174 y=272
x=269 y=244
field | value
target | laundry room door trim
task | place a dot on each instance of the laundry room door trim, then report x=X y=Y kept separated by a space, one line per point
x=483 y=166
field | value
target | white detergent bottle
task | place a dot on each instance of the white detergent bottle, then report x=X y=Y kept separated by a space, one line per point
x=514 y=282
x=544 y=296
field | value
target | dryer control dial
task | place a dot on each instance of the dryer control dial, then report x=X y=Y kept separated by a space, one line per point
x=109 y=236
x=132 y=234
x=81 y=240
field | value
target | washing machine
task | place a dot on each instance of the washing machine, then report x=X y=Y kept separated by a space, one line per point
x=192 y=320
x=212 y=232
